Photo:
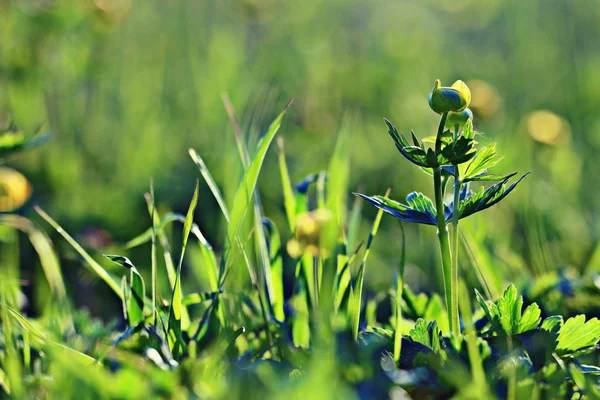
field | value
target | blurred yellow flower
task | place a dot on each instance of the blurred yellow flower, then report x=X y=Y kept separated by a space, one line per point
x=308 y=227
x=14 y=189
x=547 y=127
x=446 y=99
x=486 y=99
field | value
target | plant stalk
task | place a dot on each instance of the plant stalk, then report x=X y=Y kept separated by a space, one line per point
x=454 y=238
x=443 y=237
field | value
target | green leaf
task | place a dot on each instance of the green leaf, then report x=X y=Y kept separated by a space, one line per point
x=576 y=335
x=530 y=318
x=507 y=312
x=13 y=142
x=485 y=177
x=484 y=159
x=485 y=198
x=135 y=305
x=552 y=324
x=468 y=131
x=175 y=325
x=427 y=334
x=458 y=152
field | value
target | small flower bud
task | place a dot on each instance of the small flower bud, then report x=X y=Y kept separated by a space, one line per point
x=458 y=119
x=446 y=99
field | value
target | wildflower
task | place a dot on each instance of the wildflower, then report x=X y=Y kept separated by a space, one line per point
x=486 y=99
x=14 y=189
x=446 y=99
x=308 y=227
x=546 y=127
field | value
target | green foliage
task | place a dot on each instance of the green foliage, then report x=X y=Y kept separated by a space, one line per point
x=576 y=335
x=426 y=333
x=508 y=312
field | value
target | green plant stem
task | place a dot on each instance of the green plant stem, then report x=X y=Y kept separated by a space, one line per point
x=454 y=238
x=399 y=287
x=450 y=290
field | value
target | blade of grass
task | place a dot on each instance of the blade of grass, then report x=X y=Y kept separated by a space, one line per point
x=358 y=281
x=54 y=346
x=337 y=190
x=276 y=262
x=43 y=247
x=210 y=181
x=289 y=199
x=135 y=305
x=153 y=254
x=97 y=268
x=175 y=326
x=244 y=194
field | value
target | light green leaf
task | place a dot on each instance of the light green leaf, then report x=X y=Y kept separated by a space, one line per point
x=427 y=334
x=485 y=158
x=576 y=334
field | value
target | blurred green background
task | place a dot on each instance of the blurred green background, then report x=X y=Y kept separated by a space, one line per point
x=126 y=87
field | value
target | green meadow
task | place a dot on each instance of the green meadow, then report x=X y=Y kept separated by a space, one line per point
x=321 y=199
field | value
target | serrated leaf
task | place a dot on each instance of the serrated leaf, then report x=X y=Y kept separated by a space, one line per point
x=507 y=311
x=484 y=159
x=530 y=319
x=458 y=152
x=419 y=210
x=427 y=334
x=576 y=334
x=552 y=323
x=468 y=131
x=485 y=198
x=485 y=177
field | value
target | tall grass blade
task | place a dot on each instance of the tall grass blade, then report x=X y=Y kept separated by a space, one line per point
x=289 y=199
x=210 y=181
x=276 y=261
x=43 y=246
x=153 y=251
x=97 y=268
x=135 y=305
x=358 y=281
x=53 y=346
x=243 y=196
x=176 y=326
x=337 y=193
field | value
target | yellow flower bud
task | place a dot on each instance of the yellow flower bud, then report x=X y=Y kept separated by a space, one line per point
x=14 y=189
x=447 y=99
x=308 y=229
x=458 y=119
